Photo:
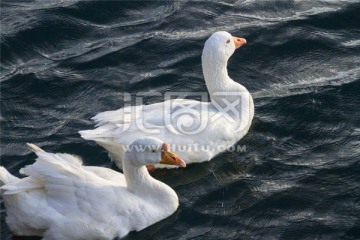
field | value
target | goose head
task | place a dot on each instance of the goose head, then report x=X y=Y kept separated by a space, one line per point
x=147 y=151
x=216 y=53
x=220 y=46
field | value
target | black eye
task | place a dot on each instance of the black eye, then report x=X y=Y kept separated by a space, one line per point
x=153 y=150
x=228 y=41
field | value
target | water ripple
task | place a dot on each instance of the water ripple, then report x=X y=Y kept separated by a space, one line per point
x=62 y=62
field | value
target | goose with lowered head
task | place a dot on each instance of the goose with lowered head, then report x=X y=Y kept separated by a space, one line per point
x=196 y=130
x=62 y=199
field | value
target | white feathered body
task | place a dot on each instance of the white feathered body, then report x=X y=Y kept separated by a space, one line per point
x=196 y=135
x=61 y=199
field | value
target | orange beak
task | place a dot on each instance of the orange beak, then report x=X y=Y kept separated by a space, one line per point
x=170 y=158
x=239 y=42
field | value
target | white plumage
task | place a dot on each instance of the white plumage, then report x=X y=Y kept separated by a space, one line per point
x=62 y=199
x=197 y=130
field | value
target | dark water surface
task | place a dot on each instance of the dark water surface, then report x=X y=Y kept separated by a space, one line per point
x=62 y=62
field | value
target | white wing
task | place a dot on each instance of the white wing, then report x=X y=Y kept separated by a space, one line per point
x=194 y=129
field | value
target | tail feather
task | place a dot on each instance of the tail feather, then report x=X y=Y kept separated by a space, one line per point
x=6 y=177
x=98 y=135
x=22 y=185
x=34 y=148
x=53 y=165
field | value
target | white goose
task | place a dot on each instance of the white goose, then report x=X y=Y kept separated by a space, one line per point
x=61 y=199
x=196 y=130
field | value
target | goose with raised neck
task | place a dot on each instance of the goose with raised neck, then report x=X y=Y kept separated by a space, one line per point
x=199 y=129
x=62 y=199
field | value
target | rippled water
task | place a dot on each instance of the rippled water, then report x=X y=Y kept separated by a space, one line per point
x=64 y=61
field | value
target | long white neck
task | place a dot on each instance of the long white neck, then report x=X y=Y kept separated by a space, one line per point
x=232 y=97
x=216 y=77
x=142 y=184
x=137 y=178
